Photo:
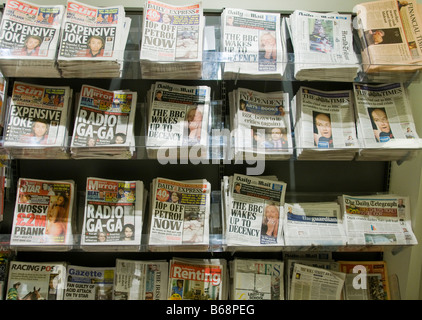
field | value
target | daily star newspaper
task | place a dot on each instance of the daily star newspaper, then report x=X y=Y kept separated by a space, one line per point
x=113 y=215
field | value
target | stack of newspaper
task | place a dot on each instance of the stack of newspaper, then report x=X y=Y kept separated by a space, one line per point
x=384 y=121
x=253 y=279
x=253 y=212
x=254 y=45
x=172 y=41
x=113 y=216
x=323 y=46
x=179 y=215
x=93 y=41
x=29 y=39
x=324 y=124
x=377 y=220
x=198 y=279
x=4 y=86
x=141 y=280
x=104 y=125
x=178 y=120
x=260 y=124
x=43 y=215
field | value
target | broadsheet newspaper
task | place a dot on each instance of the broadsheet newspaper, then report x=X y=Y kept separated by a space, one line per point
x=172 y=40
x=36 y=280
x=253 y=279
x=179 y=214
x=197 y=279
x=323 y=46
x=377 y=220
x=141 y=280
x=43 y=215
x=252 y=44
x=260 y=123
x=89 y=283
x=113 y=215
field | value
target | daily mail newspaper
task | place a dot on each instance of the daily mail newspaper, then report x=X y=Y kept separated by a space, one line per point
x=252 y=44
x=89 y=283
x=179 y=214
x=377 y=220
x=36 y=280
x=113 y=215
x=141 y=280
x=197 y=279
x=43 y=215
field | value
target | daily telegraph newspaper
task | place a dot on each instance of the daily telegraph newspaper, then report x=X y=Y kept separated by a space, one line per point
x=197 y=279
x=179 y=214
x=36 y=280
x=253 y=279
x=252 y=44
x=313 y=224
x=261 y=123
x=323 y=46
x=377 y=220
x=113 y=215
x=141 y=280
x=89 y=283
x=43 y=215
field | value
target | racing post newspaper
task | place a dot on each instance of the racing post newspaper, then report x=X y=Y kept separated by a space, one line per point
x=323 y=46
x=252 y=45
x=29 y=36
x=172 y=41
x=93 y=41
x=141 y=280
x=198 y=279
x=113 y=215
x=261 y=124
x=43 y=216
x=324 y=124
x=179 y=215
x=104 y=125
x=37 y=121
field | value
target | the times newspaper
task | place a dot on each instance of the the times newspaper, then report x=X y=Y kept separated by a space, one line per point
x=141 y=280
x=253 y=279
x=43 y=215
x=197 y=279
x=313 y=224
x=252 y=44
x=104 y=125
x=113 y=215
x=89 y=283
x=36 y=280
x=261 y=123
x=377 y=220
x=179 y=215
x=323 y=46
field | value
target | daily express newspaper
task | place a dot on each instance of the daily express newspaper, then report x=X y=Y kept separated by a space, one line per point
x=197 y=279
x=113 y=214
x=89 y=283
x=141 y=280
x=36 y=280
x=377 y=220
x=43 y=214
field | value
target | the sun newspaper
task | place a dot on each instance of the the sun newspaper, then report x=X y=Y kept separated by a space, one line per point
x=197 y=279
x=172 y=40
x=261 y=123
x=179 y=215
x=113 y=215
x=36 y=280
x=141 y=280
x=253 y=279
x=43 y=215
x=104 y=125
x=89 y=283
